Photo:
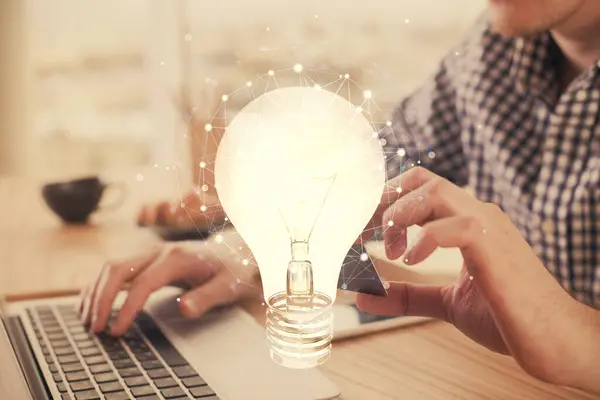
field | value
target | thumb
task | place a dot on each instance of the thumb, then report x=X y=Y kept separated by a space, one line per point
x=220 y=290
x=405 y=299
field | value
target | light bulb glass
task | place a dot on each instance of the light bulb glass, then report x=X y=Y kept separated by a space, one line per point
x=299 y=174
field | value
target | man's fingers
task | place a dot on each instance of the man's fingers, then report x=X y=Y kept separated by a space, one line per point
x=222 y=289
x=406 y=299
x=112 y=279
x=461 y=232
x=165 y=270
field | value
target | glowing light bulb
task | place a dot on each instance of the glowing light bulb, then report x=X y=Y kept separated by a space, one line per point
x=316 y=173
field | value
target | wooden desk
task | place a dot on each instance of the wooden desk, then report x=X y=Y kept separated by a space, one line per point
x=431 y=361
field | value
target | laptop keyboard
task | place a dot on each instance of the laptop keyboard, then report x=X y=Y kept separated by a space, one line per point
x=142 y=364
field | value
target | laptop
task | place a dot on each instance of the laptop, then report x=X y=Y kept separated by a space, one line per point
x=46 y=353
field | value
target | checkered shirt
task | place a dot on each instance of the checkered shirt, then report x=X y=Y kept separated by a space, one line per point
x=492 y=118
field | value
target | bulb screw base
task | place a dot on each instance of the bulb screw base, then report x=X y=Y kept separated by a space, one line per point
x=299 y=336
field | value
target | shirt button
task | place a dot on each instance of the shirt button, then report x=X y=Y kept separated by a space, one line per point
x=548 y=227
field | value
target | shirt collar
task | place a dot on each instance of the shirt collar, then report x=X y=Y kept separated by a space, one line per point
x=534 y=63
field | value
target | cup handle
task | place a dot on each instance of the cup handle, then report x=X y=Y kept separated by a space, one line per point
x=121 y=189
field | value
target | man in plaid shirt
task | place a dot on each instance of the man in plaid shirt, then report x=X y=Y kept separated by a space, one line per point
x=512 y=112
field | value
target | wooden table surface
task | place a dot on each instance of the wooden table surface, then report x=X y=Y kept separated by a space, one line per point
x=430 y=361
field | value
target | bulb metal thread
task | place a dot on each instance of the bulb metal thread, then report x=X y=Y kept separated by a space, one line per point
x=299 y=336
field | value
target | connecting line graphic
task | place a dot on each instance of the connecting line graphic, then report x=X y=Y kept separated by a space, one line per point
x=202 y=209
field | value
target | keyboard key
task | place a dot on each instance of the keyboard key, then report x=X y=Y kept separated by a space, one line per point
x=173 y=393
x=145 y=356
x=53 y=329
x=98 y=368
x=71 y=358
x=76 y=329
x=53 y=368
x=152 y=364
x=57 y=378
x=193 y=382
x=94 y=360
x=50 y=360
x=61 y=387
x=74 y=367
x=76 y=376
x=111 y=387
x=184 y=372
x=66 y=396
x=80 y=386
x=90 y=351
x=60 y=343
x=164 y=383
x=86 y=344
x=118 y=355
x=201 y=392
x=136 y=381
x=140 y=391
x=119 y=396
x=57 y=336
x=158 y=373
x=129 y=372
x=120 y=364
x=105 y=377
x=87 y=395
x=64 y=351
x=81 y=337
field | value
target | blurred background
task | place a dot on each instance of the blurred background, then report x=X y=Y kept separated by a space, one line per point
x=88 y=86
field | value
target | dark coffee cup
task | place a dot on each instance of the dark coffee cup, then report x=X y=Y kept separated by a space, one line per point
x=75 y=200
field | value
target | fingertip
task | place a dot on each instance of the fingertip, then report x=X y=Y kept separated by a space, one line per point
x=190 y=307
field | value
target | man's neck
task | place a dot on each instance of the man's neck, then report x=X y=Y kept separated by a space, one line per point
x=580 y=46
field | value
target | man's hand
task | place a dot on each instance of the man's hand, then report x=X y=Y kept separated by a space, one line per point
x=217 y=273
x=504 y=298
x=197 y=211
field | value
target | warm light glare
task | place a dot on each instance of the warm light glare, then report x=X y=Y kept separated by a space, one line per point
x=299 y=174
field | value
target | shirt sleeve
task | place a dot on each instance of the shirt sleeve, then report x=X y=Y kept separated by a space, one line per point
x=425 y=130
x=426 y=127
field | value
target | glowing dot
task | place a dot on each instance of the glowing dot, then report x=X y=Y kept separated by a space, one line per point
x=347 y=76
x=406 y=260
x=178 y=299
x=341 y=76
x=188 y=37
x=359 y=109
x=238 y=280
x=208 y=127
x=204 y=188
x=167 y=168
x=224 y=97
x=470 y=278
x=399 y=189
x=139 y=177
x=419 y=162
x=226 y=219
x=271 y=72
x=390 y=223
x=182 y=205
x=268 y=29
x=155 y=165
x=203 y=208
x=245 y=262
x=318 y=87
x=202 y=164
x=383 y=142
x=162 y=63
x=484 y=231
x=412 y=165
x=407 y=21
x=364 y=257
x=367 y=94
x=388 y=123
x=298 y=68
x=249 y=83
x=219 y=238
x=131 y=269
x=316 y=16
x=431 y=155
x=479 y=126
x=401 y=152
x=457 y=53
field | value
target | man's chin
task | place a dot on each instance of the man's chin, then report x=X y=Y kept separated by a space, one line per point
x=511 y=30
